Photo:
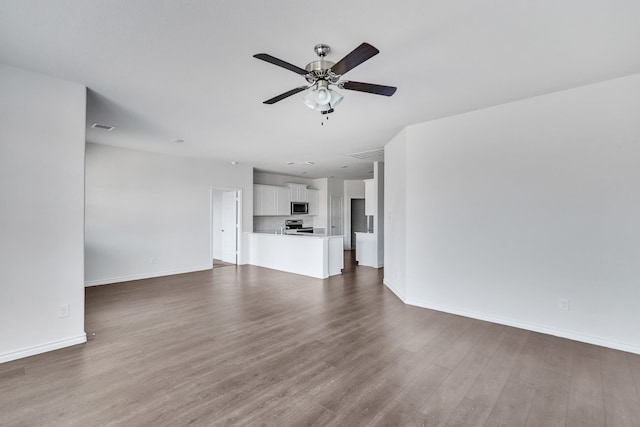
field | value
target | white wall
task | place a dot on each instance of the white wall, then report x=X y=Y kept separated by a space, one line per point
x=322 y=220
x=395 y=199
x=279 y=180
x=378 y=219
x=42 y=123
x=353 y=189
x=143 y=205
x=511 y=208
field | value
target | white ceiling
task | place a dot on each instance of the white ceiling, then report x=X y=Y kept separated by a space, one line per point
x=158 y=70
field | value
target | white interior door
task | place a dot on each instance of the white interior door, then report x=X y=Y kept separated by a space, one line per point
x=229 y=226
x=335 y=219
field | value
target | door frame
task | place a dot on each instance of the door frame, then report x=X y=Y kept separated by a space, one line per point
x=239 y=228
x=341 y=211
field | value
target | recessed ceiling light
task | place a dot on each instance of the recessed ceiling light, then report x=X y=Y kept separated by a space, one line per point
x=309 y=163
x=290 y=163
x=178 y=140
x=344 y=166
x=234 y=162
x=103 y=127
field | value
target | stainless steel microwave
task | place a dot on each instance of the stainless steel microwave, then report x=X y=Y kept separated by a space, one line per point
x=299 y=208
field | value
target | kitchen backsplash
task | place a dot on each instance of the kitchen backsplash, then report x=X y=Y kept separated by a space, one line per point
x=271 y=224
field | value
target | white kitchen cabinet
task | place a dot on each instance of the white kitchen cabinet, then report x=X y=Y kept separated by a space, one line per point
x=298 y=192
x=370 y=199
x=283 y=203
x=264 y=200
x=270 y=200
x=367 y=250
x=313 y=197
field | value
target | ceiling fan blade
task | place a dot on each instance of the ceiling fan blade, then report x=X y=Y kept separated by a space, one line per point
x=285 y=95
x=355 y=58
x=280 y=63
x=370 y=88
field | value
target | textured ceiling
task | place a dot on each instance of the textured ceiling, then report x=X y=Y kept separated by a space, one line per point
x=161 y=70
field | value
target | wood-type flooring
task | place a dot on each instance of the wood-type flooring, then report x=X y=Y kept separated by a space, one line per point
x=250 y=346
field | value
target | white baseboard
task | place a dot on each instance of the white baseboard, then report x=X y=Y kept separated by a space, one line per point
x=521 y=325
x=110 y=280
x=395 y=291
x=42 y=348
x=530 y=327
x=369 y=265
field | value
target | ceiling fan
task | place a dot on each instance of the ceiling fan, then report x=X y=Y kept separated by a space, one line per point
x=322 y=74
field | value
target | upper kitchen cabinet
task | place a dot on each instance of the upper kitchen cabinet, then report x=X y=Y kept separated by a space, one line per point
x=298 y=192
x=270 y=200
x=370 y=199
x=313 y=197
x=283 y=201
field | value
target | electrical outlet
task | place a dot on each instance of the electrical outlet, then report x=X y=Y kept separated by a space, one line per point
x=563 y=304
x=63 y=311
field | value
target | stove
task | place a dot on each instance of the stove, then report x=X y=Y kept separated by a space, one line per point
x=293 y=226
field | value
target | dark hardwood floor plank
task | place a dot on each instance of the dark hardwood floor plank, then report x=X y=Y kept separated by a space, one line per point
x=586 y=399
x=558 y=356
x=481 y=397
x=533 y=367
x=250 y=346
x=622 y=406
x=462 y=345
x=634 y=366
x=548 y=408
x=378 y=390
x=441 y=405
x=401 y=409
x=513 y=406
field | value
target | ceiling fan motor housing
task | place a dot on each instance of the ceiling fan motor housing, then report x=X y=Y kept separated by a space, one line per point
x=320 y=70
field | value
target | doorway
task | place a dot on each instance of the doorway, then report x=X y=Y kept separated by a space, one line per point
x=358 y=220
x=230 y=227
x=335 y=217
x=225 y=226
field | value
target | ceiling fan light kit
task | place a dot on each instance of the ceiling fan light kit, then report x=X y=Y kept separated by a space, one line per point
x=322 y=98
x=321 y=74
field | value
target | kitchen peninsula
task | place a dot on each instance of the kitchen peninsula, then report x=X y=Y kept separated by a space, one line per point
x=312 y=255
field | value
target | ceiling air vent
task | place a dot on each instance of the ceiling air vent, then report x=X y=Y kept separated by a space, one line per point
x=378 y=152
x=103 y=127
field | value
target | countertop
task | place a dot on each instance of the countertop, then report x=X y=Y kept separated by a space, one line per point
x=296 y=235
